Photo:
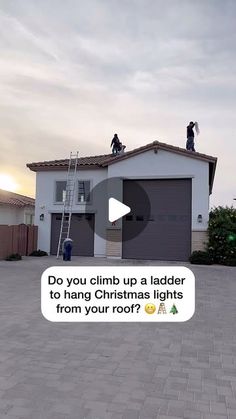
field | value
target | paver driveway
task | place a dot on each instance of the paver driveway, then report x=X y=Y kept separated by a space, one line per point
x=116 y=371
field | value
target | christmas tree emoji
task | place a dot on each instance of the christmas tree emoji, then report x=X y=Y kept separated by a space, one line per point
x=174 y=309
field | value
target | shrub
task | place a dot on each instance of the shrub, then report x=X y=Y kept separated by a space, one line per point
x=38 y=253
x=222 y=235
x=230 y=262
x=13 y=256
x=200 y=258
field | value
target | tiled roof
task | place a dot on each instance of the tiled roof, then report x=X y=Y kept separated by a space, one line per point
x=107 y=159
x=11 y=198
x=96 y=161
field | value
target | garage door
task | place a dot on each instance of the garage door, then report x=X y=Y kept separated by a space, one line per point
x=82 y=234
x=167 y=235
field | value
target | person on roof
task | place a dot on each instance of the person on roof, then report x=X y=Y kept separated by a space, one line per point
x=190 y=136
x=115 y=144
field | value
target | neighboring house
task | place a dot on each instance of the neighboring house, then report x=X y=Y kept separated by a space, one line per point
x=16 y=209
x=178 y=184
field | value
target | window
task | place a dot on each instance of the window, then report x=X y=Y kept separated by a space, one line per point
x=29 y=219
x=83 y=191
x=60 y=190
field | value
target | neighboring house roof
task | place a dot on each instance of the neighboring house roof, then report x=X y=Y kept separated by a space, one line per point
x=108 y=159
x=11 y=198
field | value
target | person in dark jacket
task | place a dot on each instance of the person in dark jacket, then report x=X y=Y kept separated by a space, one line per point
x=115 y=144
x=190 y=137
x=67 y=248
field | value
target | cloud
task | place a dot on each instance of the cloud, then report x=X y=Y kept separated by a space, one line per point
x=74 y=73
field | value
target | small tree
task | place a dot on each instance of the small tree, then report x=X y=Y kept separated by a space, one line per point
x=174 y=309
x=222 y=235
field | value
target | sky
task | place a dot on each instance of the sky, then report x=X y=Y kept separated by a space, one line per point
x=72 y=73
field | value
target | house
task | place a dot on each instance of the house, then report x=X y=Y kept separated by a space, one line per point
x=16 y=209
x=176 y=185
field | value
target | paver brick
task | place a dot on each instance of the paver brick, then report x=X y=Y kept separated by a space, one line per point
x=218 y=407
x=120 y=370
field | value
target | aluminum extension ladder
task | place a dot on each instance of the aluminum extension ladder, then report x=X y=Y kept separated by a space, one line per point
x=68 y=200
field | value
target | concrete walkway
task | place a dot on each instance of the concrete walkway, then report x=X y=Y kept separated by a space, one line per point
x=116 y=371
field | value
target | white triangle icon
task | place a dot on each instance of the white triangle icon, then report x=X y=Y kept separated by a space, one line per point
x=116 y=210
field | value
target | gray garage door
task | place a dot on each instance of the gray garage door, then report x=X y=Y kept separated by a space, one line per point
x=82 y=227
x=167 y=235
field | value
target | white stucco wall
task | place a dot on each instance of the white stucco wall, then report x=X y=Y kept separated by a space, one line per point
x=8 y=215
x=170 y=165
x=45 y=193
x=13 y=215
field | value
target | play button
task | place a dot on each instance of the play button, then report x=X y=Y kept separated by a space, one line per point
x=116 y=213
x=116 y=210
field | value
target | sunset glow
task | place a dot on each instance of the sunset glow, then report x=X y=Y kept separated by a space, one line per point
x=7 y=183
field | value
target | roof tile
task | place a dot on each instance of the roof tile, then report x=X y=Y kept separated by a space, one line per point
x=11 y=198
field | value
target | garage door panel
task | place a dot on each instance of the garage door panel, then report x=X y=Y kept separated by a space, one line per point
x=82 y=228
x=167 y=235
